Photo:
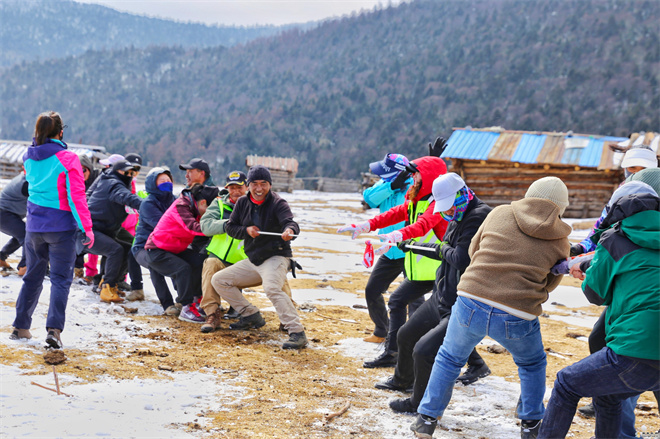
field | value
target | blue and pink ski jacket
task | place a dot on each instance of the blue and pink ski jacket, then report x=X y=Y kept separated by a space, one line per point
x=57 y=200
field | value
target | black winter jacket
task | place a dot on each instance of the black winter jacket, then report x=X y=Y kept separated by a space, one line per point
x=273 y=215
x=107 y=203
x=454 y=254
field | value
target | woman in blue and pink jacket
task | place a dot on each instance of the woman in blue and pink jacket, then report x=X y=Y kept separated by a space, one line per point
x=56 y=208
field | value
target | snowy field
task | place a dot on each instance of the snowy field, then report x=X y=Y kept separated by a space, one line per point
x=148 y=408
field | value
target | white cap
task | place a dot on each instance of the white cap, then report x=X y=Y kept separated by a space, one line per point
x=444 y=189
x=114 y=158
x=644 y=157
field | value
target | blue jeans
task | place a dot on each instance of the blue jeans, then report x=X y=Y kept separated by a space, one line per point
x=58 y=249
x=608 y=378
x=469 y=323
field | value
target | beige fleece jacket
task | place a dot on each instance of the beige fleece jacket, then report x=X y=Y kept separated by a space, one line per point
x=512 y=253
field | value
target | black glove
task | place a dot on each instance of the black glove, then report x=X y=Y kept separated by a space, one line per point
x=402 y=245
x=400 y=180
x=438 y=147
x=576 y=249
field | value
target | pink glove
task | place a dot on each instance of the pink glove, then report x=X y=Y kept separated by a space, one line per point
x=388 y=238
x=89 y=240
x=356 y=229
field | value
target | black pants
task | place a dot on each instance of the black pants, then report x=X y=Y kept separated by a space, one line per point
x=184 y=268
x=407 y=293
x=383 y=274
x=419 y=341
x=14 y=226
x=157 y=279
x=116 y=252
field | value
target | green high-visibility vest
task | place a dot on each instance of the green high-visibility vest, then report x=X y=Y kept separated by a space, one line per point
x=225 y=247
x=418 y=267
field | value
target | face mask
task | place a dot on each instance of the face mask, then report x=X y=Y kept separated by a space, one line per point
x=166 y=187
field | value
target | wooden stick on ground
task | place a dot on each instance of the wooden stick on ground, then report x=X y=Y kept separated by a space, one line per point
x=48 y=388
x=57 y=381
x=330 y=416
x=334 y=318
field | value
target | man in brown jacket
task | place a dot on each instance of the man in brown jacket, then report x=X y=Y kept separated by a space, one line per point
x=500 y=296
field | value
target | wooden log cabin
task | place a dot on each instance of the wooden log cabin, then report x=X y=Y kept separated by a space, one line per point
x=282 y=170
x=499 y=165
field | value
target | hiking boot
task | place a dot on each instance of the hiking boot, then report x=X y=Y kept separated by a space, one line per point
x=588 y=411
x=253 y=321
x=18 y=334
x=403 y=405
x=529 y=429
x=22 y=270
x=386 y=359
x=190 y=313
x=173 y=310
x=4 y=264
x=231 y=314
x=212 y=321
x=135 y=295
x=424 y=426
x=109 y=294
x=374 y=339
x=123 y=286
x=391 y=383
x=53 y=339
x=297 y=340
x=473 y=373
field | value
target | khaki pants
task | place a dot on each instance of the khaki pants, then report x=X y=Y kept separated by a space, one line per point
x=211 y=300
x=272 y=275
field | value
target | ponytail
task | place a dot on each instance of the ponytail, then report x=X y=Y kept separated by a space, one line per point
x=49 y=125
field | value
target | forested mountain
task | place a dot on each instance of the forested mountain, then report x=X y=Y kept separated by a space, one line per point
x=347 y=92
x=43 y=29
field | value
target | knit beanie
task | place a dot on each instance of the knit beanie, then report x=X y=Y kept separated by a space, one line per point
x=650 y=176
x=551 y=189
x=259 y=172
x=207 y=193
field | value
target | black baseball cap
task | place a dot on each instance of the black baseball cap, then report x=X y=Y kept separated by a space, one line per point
x=123 y=165
x=135 y=159
x=196 y=163
x=236 y=177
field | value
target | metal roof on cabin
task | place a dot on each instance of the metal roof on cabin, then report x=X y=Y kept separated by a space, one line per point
x=528 y=147
x=11 y=151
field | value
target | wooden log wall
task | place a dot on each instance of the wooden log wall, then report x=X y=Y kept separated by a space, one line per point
x=498 y=183
x=283 y=181
x=326 y=184
x=9 y=170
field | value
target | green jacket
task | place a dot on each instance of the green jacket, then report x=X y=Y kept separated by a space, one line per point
x=417 y=266
x=625 y=275
x=212 y=223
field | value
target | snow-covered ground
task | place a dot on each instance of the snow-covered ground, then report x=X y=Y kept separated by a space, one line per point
x=149 y=408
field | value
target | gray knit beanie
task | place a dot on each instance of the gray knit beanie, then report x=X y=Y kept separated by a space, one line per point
x=551 y=189
x=259 y=172
x=650 y=176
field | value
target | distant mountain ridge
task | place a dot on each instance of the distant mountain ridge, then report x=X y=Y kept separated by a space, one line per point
x=351 y=90
x=33 y=30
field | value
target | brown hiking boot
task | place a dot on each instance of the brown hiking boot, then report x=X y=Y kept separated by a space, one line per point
x=109 y=294
x=374 y=339
x=212 y=321
x=4 y=264
x=135 y=295
x=22 y=270
x=53 y=339
x=17 y=334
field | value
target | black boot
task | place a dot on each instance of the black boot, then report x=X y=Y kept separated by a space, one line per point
x=403 y=405
x=231 y=314
x=473 y=373
x=252 y=321
x=391 y=383
x=297 y=340
x=530 y=429
x=424 y=426
x=386 y=359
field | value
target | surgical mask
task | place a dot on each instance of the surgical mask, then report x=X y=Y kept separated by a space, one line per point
x=166 y=187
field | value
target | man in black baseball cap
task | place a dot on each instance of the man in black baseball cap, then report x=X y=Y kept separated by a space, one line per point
x=197 y=171
x=135 y=159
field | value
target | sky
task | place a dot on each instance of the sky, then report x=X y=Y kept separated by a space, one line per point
x=243 y=12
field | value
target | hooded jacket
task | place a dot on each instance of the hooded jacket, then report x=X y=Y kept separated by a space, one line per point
x=624 y=275
x=108 y=202
x=273 y=215
x=178 y=226
x=13 y=197
x=430 y=168
x=151 y=210
x=511 y=256
x=56 y=201
x=382 y=196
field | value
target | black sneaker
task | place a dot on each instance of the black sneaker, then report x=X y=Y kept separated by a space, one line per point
x=473 y=373
x=53 y=339
x=253 y=321
x=588 y=411
x=424 y=426
x=297 y=340
x=403 y=405
x=231 y=314
x=386 y=359
x=392 y=384
x=529 y=429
